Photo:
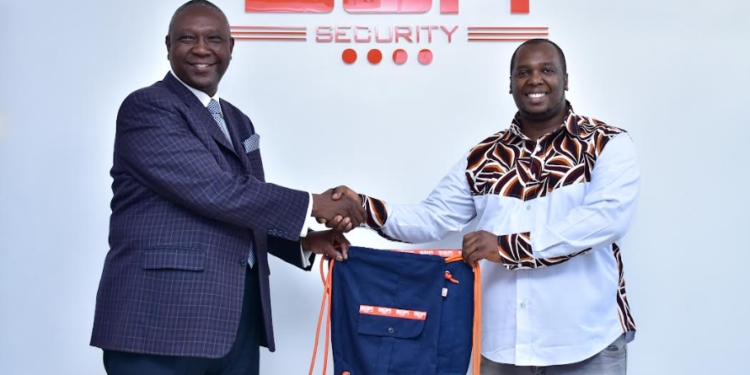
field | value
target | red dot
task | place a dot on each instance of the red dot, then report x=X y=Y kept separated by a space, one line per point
x=349 y=56
x=400 y=56
x=425 y=57
x=374 y=56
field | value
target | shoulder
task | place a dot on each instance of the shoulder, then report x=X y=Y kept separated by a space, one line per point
x=596 y=133
x=479 y=151
x=150 y=104
x=491 y=140
x=591 y=127
x=157 y=93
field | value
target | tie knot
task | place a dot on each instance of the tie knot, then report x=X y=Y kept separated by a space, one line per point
x=213 y=107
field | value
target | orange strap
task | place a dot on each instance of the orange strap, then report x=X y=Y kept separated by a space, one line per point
x=476 y=354
x=450 y=257
x=327 y=282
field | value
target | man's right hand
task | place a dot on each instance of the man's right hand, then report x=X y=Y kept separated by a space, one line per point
x=345 y=211
x=338 y=193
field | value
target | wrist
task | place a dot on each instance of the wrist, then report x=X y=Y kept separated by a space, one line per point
x=303 y=241
x=315 y=204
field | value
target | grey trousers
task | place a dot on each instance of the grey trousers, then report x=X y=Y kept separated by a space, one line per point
x=613 y=360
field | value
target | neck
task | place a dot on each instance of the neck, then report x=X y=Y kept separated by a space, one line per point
x=535 y=128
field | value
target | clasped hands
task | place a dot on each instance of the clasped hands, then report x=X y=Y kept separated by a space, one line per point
x=341 y=210
x=341 y=214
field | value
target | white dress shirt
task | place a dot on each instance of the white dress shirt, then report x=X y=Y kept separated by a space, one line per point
x=205 y=99
x=559 y=205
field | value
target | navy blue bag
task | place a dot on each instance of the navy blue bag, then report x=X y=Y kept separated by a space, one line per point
x=401 y=313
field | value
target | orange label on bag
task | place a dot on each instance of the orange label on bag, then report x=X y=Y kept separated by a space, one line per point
x=393 y=313
x=439 y=252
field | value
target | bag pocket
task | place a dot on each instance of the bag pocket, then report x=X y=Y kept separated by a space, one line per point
x=398 y=339
x=390 y=322
x=172 y=258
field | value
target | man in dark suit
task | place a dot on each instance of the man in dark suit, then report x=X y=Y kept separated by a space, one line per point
x=185 y=286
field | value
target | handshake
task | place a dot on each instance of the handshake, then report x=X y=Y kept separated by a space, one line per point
x=340 y=208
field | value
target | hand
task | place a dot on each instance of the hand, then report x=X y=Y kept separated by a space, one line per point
x=325 y=243
x=337 y=193
x=480 y=245
x=349 y=211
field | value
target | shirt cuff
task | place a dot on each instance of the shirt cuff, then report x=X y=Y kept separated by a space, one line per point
x=309 y=220
x=305 y=256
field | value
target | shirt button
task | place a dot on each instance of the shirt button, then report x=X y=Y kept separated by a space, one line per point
x=523 y=305
x=391 y=330
x=528 y=207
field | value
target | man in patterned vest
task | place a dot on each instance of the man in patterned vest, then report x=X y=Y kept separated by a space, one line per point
x=552 y=195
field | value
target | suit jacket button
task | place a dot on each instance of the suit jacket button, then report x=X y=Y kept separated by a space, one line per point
x=243 y=262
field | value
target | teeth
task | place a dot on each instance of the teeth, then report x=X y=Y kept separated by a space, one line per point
x=201 y=65
x=536 y=95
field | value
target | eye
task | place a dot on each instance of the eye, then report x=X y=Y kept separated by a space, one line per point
x=215 y=38
x=187 y=38
x=548 y=71
x=522 y=73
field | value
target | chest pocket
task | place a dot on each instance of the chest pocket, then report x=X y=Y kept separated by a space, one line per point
x=252 y=150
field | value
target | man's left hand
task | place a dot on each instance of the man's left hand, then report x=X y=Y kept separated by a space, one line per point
x=480 y=245
x=326 y=243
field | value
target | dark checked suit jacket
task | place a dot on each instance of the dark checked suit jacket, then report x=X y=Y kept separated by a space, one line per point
x=186 y=206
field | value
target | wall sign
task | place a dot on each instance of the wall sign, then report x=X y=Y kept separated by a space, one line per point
x=359 y=35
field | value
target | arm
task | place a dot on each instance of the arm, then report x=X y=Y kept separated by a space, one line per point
x=602 y=218
x=155 y=143
x=449 y=208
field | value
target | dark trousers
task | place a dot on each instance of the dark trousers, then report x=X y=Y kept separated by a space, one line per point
x=243 y=358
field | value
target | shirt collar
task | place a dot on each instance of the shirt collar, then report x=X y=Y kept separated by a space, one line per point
x=202 y=96
x=570 y=123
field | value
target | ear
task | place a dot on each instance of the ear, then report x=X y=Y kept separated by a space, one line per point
x=168 y=42
x=510 y=91
x=231 y=46
x=566 y=81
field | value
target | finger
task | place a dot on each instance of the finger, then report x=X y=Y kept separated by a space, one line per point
x=467 y=251
x=477 y=256
x=469 y=239
x=344 y=245
x=333 y=224
x=338 y=192
x=474 y=254
x=348 y=228
x=333 y=253
x=342 y=225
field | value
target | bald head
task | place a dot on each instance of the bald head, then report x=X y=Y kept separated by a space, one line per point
x=195 y=4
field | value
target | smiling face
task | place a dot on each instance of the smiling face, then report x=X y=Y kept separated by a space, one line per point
x=538 y=82
x=199 y=47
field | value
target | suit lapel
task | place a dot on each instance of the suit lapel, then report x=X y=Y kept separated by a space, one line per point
x=238 y=131
x=199 y=112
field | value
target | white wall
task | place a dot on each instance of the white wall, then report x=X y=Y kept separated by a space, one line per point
x=674 y=73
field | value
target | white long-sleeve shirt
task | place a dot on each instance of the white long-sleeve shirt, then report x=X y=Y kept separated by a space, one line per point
x=559 y=206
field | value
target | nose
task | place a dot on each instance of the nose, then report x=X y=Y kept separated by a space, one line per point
x=535 y=78
x=201 y=48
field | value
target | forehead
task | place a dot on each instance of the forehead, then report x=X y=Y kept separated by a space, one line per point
x=537 y=53
x=200 y=18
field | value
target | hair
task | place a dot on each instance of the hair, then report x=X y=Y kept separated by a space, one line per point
x=538 y=41
x=194 y=4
